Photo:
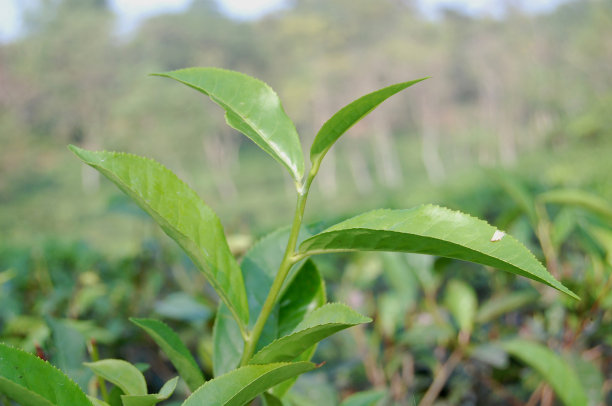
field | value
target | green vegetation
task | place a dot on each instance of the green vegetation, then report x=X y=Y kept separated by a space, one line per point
x=512 y=128
x=264 y=362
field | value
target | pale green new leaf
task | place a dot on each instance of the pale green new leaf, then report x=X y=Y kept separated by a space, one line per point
x=239 y=386
x=431 y=230
x=149 y=400
x=120 y=373
x=173 y=347
x=554 y=369
x=181 y=214
x=579 y=198
x=316 y=326
x=252 y=108
x=30 y=381
x=461 y=301
x=367 y=398
x=348 y=116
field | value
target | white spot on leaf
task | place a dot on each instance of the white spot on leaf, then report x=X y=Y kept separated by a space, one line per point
x=497 y=235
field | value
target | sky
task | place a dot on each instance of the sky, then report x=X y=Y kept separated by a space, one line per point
x=131 y=12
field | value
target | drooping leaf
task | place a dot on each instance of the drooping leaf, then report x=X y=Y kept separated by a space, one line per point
x=461 y=301
x=173 y=347
x=181 y=214
x=120 y=373
x=366 y=398
x=554 y=369
x=30 y=381
x=259 y=267
x=431 y=230
x=149 y=400
x=238 y=387
x=579 y=198
x=316 y=326
x=252 y=108
x=502 y=304
x=348 y=116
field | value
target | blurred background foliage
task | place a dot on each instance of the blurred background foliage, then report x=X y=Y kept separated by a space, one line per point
x=519 y=104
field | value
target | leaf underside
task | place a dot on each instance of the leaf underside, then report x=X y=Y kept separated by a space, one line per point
x=121 y=374
x=432 y=230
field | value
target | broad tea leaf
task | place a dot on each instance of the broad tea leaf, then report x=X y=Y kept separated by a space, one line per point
x=181 y=214
x=554 y=369
x=252 y=108
x=239 y=386
x=348 y=116
x=431 y=230
x=173 y=347
x=31 y=381
x=316 y=326
x=121 y=374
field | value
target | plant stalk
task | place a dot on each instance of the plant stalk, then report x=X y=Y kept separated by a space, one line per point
x=288 y=261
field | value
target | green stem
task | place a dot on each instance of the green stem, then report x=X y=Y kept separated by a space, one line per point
x=289 y=259
x=93 y=352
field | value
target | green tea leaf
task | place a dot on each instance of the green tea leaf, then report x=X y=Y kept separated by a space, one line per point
x=173 y=347
x=348 y=116
x=238 y=387
x=554 y=369
x=181 y=214
x=149 y=400
x=579 y=198
x=505 y=303
x=316 y=326
x=431 y=230
x=252 y=108
x=31 y=381
x=461 y=301
x=366 y=398
x=271 y=400
x=120 y=373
